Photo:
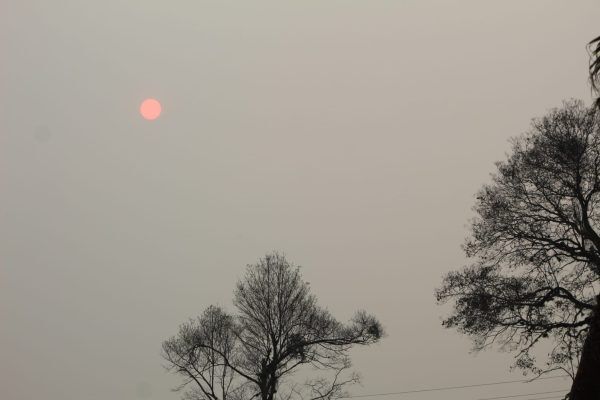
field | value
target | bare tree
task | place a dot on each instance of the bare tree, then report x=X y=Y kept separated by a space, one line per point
x=206 y=366
x=535 y=247
x=586 y=383
x=594 y=47
x=278 y=328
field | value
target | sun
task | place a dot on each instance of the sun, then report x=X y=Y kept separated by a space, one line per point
x=150 y=109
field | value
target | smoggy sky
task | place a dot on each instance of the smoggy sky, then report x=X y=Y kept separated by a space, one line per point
x=351 y=135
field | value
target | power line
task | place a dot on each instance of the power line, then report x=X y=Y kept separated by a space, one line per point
x=450 y=387
x=522 y=395
x=548 y=398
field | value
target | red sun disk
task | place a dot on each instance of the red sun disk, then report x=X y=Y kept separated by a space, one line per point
x=150 y=109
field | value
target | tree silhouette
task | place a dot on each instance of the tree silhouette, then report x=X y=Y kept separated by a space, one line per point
x=534 y=244
x=594 y=47
x=586 y=383
x=278 y=328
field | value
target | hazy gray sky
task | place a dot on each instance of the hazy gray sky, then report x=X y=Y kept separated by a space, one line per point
x=350 y=135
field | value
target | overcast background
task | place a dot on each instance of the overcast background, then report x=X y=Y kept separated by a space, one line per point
x=351 y=135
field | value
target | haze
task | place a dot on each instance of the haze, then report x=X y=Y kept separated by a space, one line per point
x=350 y=135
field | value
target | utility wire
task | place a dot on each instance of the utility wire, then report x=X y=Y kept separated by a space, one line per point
x=547 y=398
x=522 y=395
x=450 y=387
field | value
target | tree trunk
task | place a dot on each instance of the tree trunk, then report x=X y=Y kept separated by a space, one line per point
x=586 y=385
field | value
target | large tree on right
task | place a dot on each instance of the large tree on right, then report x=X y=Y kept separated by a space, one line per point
x=535 y=251
x=594 y=47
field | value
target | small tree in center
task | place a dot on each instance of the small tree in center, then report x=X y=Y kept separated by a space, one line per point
x=278 y=328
